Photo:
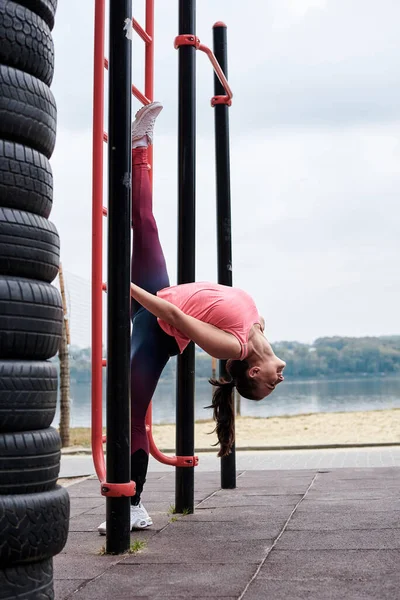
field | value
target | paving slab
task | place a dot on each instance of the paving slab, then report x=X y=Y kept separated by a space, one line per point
x=345 y=564
x=374 y=504
x=242 y=515
x=276 y=489
x=287 y=474
x=186 y=530
x=219 y=500
x=341 y=519
x=79 y=508
x=349 y=494
x=361 y=475
x=377 y=539
x=82 y=567
x=208 y=581
x=85 y=543
x=323 y=589
x=65 y=587
x=384 y=472
x=372 y=487
x=316 y=534
x=192 y=549
x=88 y=489
x=85 y=522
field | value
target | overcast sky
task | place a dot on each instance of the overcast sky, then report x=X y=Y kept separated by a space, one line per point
x=315 y=155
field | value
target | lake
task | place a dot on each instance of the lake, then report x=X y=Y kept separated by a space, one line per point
x=290 y=398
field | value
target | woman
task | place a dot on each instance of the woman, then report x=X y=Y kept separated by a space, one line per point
x=223 y=321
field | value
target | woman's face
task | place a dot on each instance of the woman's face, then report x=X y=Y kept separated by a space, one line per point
x=267 y=375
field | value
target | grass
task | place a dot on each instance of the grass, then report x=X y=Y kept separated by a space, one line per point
x=135 y=547
x=172 y=511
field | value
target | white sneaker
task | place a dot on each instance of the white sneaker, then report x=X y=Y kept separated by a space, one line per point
x=102 y=529
x=143 y=124
x=140 y=519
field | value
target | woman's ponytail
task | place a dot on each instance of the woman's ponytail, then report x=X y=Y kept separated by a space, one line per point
x=223 y=414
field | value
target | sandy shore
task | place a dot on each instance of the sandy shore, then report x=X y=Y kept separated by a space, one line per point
x=380 y=426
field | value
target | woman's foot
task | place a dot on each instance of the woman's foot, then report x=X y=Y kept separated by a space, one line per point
x=143 y=125
x=140 y=519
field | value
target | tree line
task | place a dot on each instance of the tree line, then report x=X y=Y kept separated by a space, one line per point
x=341 y=356
x=327 y=356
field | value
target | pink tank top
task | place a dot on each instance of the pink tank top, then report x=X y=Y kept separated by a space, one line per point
x=227 y=308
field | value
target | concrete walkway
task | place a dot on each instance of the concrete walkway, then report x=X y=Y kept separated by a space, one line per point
x=73 y=465
x=320 y=534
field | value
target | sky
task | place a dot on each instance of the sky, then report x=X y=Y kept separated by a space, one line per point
x=315 y=155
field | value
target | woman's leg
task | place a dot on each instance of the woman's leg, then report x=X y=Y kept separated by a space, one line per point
x=148 y=353
x=149 y=269
x=150 y=347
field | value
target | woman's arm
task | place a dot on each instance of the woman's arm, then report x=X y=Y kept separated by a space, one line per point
x=157 y=306
x=214 y=341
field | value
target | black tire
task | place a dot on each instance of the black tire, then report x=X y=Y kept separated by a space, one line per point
x=33 y=581
x=26 y=41
x=31 y=319
x=44 y=8
x=26 y=179
x=28 y=395
x=29 y=245
x=27 y=111
x=33 y=526
x=29 y=461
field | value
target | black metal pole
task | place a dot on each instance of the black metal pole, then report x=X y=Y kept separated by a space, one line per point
x=224 y=232
x=184 y=481
x=118 y=279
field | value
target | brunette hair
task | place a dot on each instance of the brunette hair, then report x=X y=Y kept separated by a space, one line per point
x=223 y=401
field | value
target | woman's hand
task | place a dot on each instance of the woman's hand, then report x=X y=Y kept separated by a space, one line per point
x=157 y=306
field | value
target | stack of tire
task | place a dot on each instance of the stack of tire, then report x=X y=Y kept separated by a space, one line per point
x=34 y=510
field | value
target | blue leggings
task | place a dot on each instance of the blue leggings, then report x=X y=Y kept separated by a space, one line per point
x=151 y=347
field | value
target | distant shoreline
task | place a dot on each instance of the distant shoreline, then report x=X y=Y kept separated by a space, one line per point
x=299 y=378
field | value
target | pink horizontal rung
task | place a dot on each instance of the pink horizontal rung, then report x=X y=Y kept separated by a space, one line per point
x=104 y=362
x=105 y=137
x=104 y=287
x=138 y=94
x=105 y=211
x=141 y=32
x=135 y=91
